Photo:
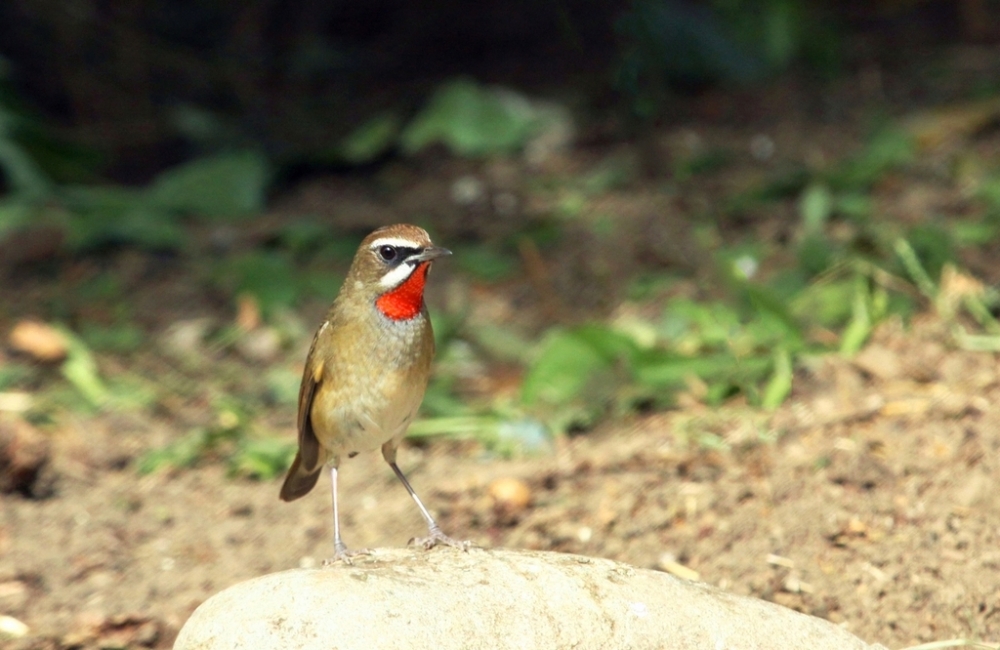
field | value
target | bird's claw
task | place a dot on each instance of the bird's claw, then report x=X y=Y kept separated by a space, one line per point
x=345 y=555
x=438 y=538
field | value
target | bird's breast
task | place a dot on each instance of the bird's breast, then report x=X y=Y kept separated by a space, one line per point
x=369 y=396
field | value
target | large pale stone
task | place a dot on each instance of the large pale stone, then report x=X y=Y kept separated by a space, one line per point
x=445 y=599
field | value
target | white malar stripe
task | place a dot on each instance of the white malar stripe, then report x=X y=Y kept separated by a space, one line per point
x=397 y=276
x=398 y=242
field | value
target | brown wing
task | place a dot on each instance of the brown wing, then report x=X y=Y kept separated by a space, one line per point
x=305 y=469
x=297 y=482
x=309 y=449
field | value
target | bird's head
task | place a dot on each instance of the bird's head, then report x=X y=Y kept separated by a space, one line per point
x=391 y=267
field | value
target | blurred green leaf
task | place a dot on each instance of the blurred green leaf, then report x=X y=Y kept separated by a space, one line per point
x=440 y=400
x=566 y=365
x=611 y=173
x=815 y=254
x=313 y=242
x=773 y=313
x=815 y=208
x=110 y=214
x=269 y=276
x=888 y=149
x=505 y=436
x=860 y=326
x=501 y=342
x=211 y=131
x=185 y=452
x=263 y=458
x=670 y=370
x=223 y=440
x=13 y=374
x=933 y=247
x=130 y=392
x=571 y=204
x=853 y=205
x=704 y=162
x=693 y=326
x=80 y=369
x=226 y=186
x=612 y=345
x=965 y=233
x=827 y=304
x=24 y=176
x=779 y=386
x=471 y=120
x=122 y=338
x=989 y=191
x=15 y=212
x=782 y=32
x=486 y=262
x=911 y=263
x=283 y=385
x=371 y=139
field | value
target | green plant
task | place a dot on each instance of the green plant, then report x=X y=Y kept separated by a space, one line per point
x=473 y=120
x=228 y=440
x=783 y=32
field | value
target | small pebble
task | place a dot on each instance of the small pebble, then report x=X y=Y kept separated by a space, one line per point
x=509 y=495
x=39 y=340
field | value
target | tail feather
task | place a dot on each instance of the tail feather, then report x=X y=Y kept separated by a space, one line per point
x=298 y=482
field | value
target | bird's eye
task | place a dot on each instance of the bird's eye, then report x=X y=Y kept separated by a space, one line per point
x=387 y=253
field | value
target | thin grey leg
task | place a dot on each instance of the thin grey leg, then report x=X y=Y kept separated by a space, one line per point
x=340 y=549
x=436 y=535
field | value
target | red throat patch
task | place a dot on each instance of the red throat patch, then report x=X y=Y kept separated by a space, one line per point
x=405 y=301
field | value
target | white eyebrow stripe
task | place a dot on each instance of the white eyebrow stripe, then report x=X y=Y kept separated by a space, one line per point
x=398 y=242
x=397 y=276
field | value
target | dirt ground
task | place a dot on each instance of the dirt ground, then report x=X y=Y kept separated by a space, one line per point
x=875 y=510
x=867 y=499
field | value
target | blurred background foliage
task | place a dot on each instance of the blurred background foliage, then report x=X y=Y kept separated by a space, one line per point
x=172 y=129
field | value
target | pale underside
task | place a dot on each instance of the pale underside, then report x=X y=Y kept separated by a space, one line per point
x=374 y=401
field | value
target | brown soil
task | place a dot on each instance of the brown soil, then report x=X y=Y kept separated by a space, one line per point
x=875 y=510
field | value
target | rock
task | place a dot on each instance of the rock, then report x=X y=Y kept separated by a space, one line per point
x=93 y=628
x=184 y=338
x=39 y=340
x=24 y=460
x=445 y=599
x=14 y=595
x=262 y=344
x=879 y=362
x=12 y=627
x=509 y=496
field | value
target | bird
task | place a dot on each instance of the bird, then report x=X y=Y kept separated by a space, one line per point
x=367 y=369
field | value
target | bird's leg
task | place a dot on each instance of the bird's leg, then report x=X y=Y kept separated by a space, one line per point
x=435 y=535
x=340 y=550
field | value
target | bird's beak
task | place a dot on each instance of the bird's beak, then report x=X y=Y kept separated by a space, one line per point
x=429 y=253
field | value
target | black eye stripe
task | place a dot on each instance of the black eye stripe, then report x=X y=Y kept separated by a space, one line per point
x=395 y=254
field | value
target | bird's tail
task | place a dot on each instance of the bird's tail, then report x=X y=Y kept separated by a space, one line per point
x=298 y=482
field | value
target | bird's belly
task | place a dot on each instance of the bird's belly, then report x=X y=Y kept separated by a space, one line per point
x=367 y=421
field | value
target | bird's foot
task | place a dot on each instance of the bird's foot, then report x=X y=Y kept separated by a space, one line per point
x=345 y=555
x=437 y=538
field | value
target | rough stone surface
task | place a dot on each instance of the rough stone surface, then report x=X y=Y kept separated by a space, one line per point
x=445 y=599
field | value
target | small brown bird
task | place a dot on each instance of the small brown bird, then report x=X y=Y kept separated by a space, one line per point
x=368 y=367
